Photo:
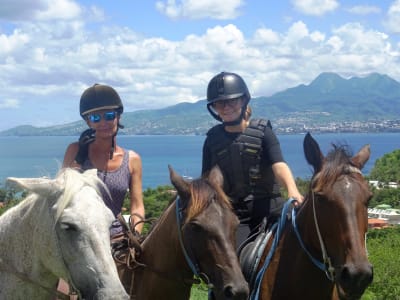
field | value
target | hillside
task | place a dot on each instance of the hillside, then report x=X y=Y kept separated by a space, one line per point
x=328 y=103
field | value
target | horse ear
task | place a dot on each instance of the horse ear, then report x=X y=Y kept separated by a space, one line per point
x=179 y=183
x=312 y=152
x=361 y=157
x=42 y=186
x=215 y=177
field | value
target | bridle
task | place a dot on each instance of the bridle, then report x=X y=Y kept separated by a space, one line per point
x=193 y=264
x=51 y=290
x=326 y=264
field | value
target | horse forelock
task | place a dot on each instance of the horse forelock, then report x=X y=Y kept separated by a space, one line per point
x=202 y=194
x=72 y=181
x=336 y=163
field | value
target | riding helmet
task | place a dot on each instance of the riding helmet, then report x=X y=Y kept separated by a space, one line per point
x=225 y=86
x=98 y=97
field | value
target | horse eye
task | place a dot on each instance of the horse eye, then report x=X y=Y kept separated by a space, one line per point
x=68 y=227
x=196 y=227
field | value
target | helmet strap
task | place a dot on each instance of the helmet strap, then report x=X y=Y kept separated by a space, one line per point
x=113 y=141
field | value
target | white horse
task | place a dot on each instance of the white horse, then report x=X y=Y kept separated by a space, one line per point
x=61 y=230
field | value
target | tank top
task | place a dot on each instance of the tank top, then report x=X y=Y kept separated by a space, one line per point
x=118 y=182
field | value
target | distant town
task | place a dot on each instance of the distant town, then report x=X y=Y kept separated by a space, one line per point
x=292 y=126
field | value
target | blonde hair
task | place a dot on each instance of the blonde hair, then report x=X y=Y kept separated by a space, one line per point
x=247 y=113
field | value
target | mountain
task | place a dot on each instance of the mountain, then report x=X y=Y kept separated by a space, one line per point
x=328 y=99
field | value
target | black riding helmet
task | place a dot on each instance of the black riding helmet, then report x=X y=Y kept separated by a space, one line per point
x=99 y=97
x=225 y=86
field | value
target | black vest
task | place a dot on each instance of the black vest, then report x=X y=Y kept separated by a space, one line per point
x=240 y=160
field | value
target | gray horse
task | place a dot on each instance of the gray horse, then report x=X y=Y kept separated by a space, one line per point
x=61 y=230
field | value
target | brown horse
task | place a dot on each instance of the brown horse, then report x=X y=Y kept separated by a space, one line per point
x=193 y=238
x=322 y=254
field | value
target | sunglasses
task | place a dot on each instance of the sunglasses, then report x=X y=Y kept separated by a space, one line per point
x=220 y=104
x=107 y=116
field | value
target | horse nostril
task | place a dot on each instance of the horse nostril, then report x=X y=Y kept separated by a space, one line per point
x=238 y=293
x=357 y=279
x=228 y=292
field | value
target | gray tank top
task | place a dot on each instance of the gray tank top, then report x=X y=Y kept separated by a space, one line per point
x=117 y=182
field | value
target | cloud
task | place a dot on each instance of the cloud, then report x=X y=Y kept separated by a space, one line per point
x=49 y=64
x=364 y=9
x=315 y=7
x=392 y=21
x=195 y=9
x=9 y=103
x=39 y=10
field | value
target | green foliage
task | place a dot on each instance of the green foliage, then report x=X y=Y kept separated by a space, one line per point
x=387 y=168
x=9 y=198
x=389 y=196
x=155 y=202
x=384 y=254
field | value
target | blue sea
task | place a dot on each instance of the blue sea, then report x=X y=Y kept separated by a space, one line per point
x=42 y=156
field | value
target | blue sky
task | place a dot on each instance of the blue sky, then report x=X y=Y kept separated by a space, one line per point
x=159 y=53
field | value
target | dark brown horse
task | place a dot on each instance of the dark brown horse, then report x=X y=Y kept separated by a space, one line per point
x=195 y=235
x=322 y=251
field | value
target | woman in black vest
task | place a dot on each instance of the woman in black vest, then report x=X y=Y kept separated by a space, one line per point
x=247 y=152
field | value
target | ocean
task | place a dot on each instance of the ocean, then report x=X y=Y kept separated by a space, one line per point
x=42 y=156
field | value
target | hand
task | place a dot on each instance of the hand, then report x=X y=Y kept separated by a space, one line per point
x=87 y=137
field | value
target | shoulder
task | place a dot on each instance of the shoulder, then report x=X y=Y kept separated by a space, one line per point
x=135 y=161
x=217 y=129
x=70 y=153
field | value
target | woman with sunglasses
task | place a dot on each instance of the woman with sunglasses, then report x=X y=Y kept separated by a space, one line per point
x=248 y=154
x=120 y=169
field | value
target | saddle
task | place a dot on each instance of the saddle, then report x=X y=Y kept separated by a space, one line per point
x=251 y=250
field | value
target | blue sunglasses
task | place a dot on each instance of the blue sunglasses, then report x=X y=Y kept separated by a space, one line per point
x=107 y=116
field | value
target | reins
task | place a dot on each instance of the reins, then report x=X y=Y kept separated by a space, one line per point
x=326 y=264
x=194 y=266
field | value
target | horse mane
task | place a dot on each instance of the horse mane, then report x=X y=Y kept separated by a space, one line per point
x=335 y=164
x=71 y=181
x=203 y=193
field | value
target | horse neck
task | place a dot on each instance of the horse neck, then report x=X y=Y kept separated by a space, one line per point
x=162 y=248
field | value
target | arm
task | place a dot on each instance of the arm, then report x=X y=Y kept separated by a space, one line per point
x=136 y=196
x=285 y=178
x=206 y=159
x=69 y=156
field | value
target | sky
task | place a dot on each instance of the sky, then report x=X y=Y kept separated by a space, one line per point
x=160 y=53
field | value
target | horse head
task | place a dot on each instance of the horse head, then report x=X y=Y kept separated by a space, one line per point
x=72 y=233
x=338 y=202
x=208 y=226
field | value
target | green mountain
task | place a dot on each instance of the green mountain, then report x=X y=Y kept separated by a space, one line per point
x=329 y=99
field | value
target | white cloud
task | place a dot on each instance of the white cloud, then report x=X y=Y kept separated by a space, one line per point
x=315 y=7
x=392 y=21
x=9 y=103
x=47 y=65
x=364 y=9
x=195 y=9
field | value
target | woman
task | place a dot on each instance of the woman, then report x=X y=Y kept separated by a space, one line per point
x=247 y=152
x=120 y=169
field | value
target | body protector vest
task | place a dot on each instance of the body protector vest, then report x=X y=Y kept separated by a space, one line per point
x=247 y=175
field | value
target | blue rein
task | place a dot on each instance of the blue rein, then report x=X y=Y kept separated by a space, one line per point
x=277 y=228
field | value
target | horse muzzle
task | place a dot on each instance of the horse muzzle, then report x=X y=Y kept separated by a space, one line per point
x=353 y=280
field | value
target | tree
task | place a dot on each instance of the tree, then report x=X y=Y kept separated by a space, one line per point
x=387 y=168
